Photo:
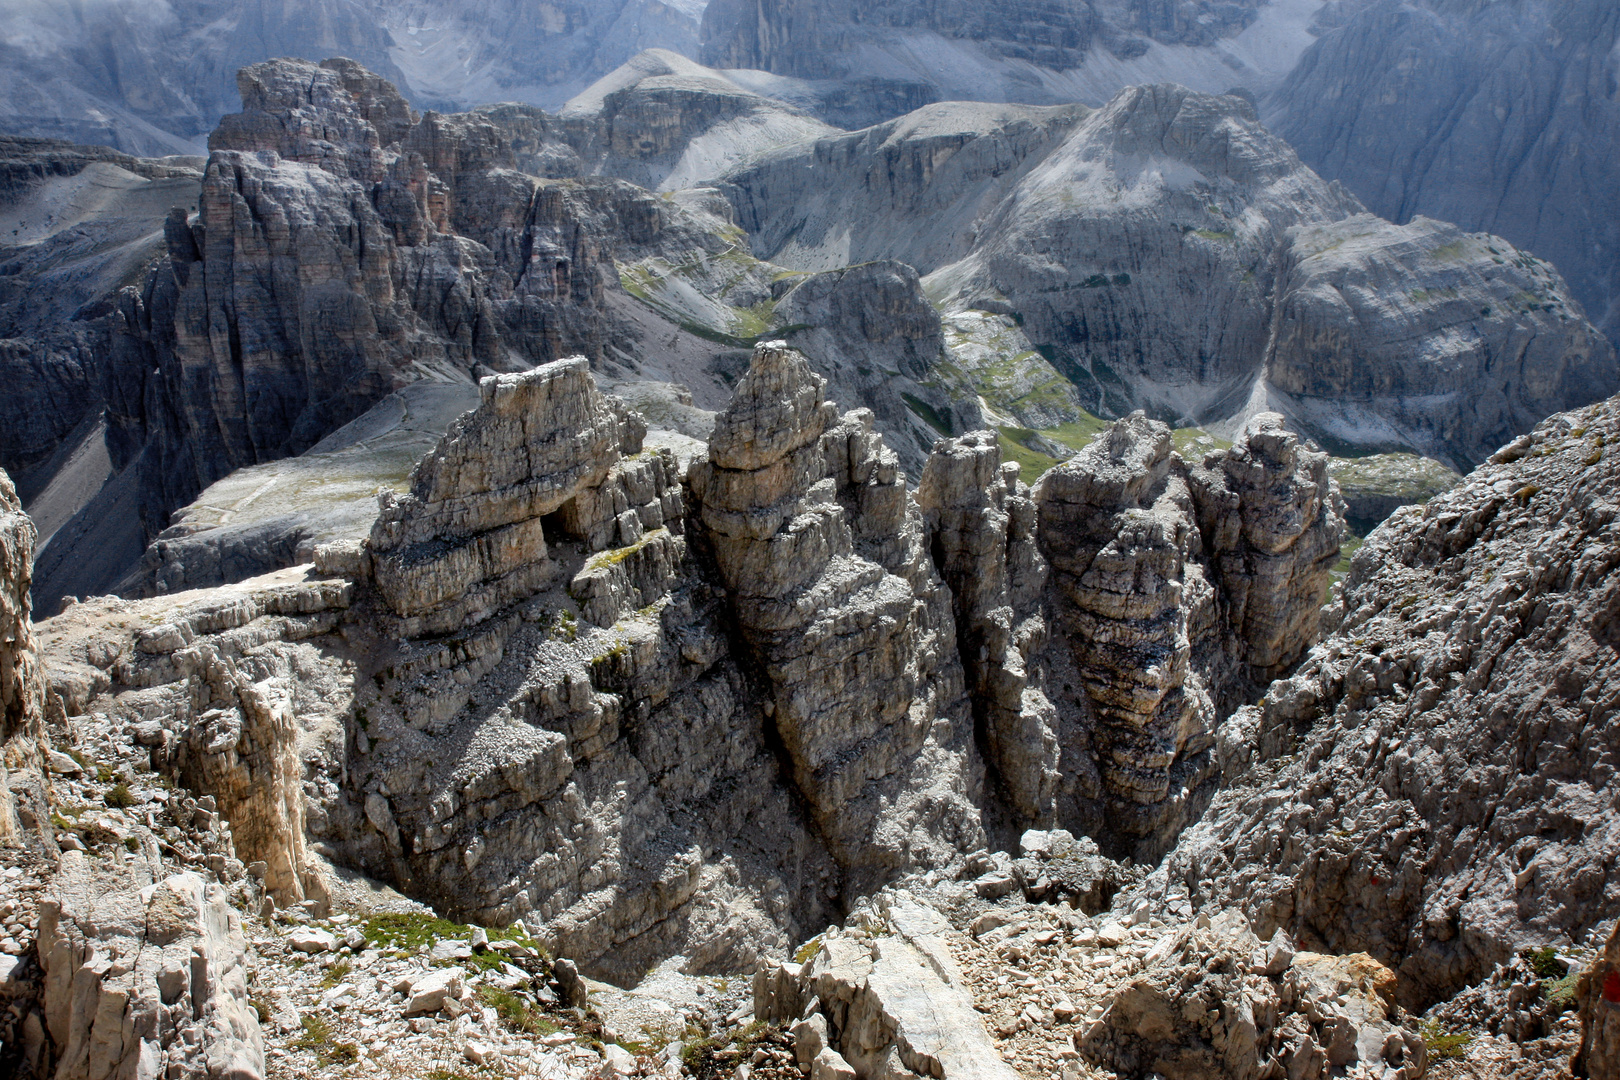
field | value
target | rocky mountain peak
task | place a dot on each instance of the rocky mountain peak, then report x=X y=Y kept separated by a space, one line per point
x=335 y=115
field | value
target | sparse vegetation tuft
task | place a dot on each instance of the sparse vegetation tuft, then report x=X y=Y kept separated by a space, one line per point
x=516 y=1011
x=1445 y=1045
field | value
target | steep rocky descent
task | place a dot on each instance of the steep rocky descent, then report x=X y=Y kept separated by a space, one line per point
x=76 y=224
x=1462 y=112
x=1433 y=784
x=981 y=520
x=24 y=817
x=1167 y=252
x=559 y=731
x=827 y=568
x=566 y=686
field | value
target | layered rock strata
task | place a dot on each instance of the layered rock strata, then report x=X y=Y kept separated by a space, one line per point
x=1118 y=526
x=823 y=557
x=469 y=538
x=342 y=247
x=652 y=713
x=1431 y=785
x=1272 y=525
x=982 y=521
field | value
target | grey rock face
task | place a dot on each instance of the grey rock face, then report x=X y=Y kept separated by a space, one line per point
x=1377 y=485
x=665 y=123
x=823 y=556
x=1118 y=528
x=842 y=46
x=1464 y=687
x=469 y=538
x=1447 y=110
x=658 y=714
x=158 y=77
x=1272 y=524
x=950 y=164
x=1308 y=1012
x=145 y=976
x=898 y=1008
x=311 y=285
x=872 y=333
x=1452 y=342
x=982 y=522
x=23 y=811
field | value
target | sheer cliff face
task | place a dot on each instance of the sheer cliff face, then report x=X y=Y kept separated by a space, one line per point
x=1472 y=113
x=1435 y=784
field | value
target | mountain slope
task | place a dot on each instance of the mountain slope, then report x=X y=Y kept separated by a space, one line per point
x=1502 y=117
x=1167 y=252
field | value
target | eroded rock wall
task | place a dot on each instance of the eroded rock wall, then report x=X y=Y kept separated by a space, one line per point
x=22 y=682
x=822 y=555
x=1433 y=784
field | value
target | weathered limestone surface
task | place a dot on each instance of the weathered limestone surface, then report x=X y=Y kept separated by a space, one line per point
x=469 y=539
x=823 y=557
x=145 y=977
x=1214 y=1000
x=892 y=1005
x=1272 y=524
x=1451 y=797
x=23 y=811
x=1166 y=251
x=1118 y=526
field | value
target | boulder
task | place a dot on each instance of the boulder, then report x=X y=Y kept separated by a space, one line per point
x=429 y=993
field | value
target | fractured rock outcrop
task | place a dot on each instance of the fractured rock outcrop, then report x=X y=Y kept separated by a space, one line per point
x=1166 y=251
x=982 y=519
x=1272 y=524
x=1451 y=797
x=469 y=539
x=1118 y=526
x=1213 y=1000
x=22 y=683
x=144 y=977
x=822 y=555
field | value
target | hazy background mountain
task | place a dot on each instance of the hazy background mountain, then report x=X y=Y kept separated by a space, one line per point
x=1498 y=115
